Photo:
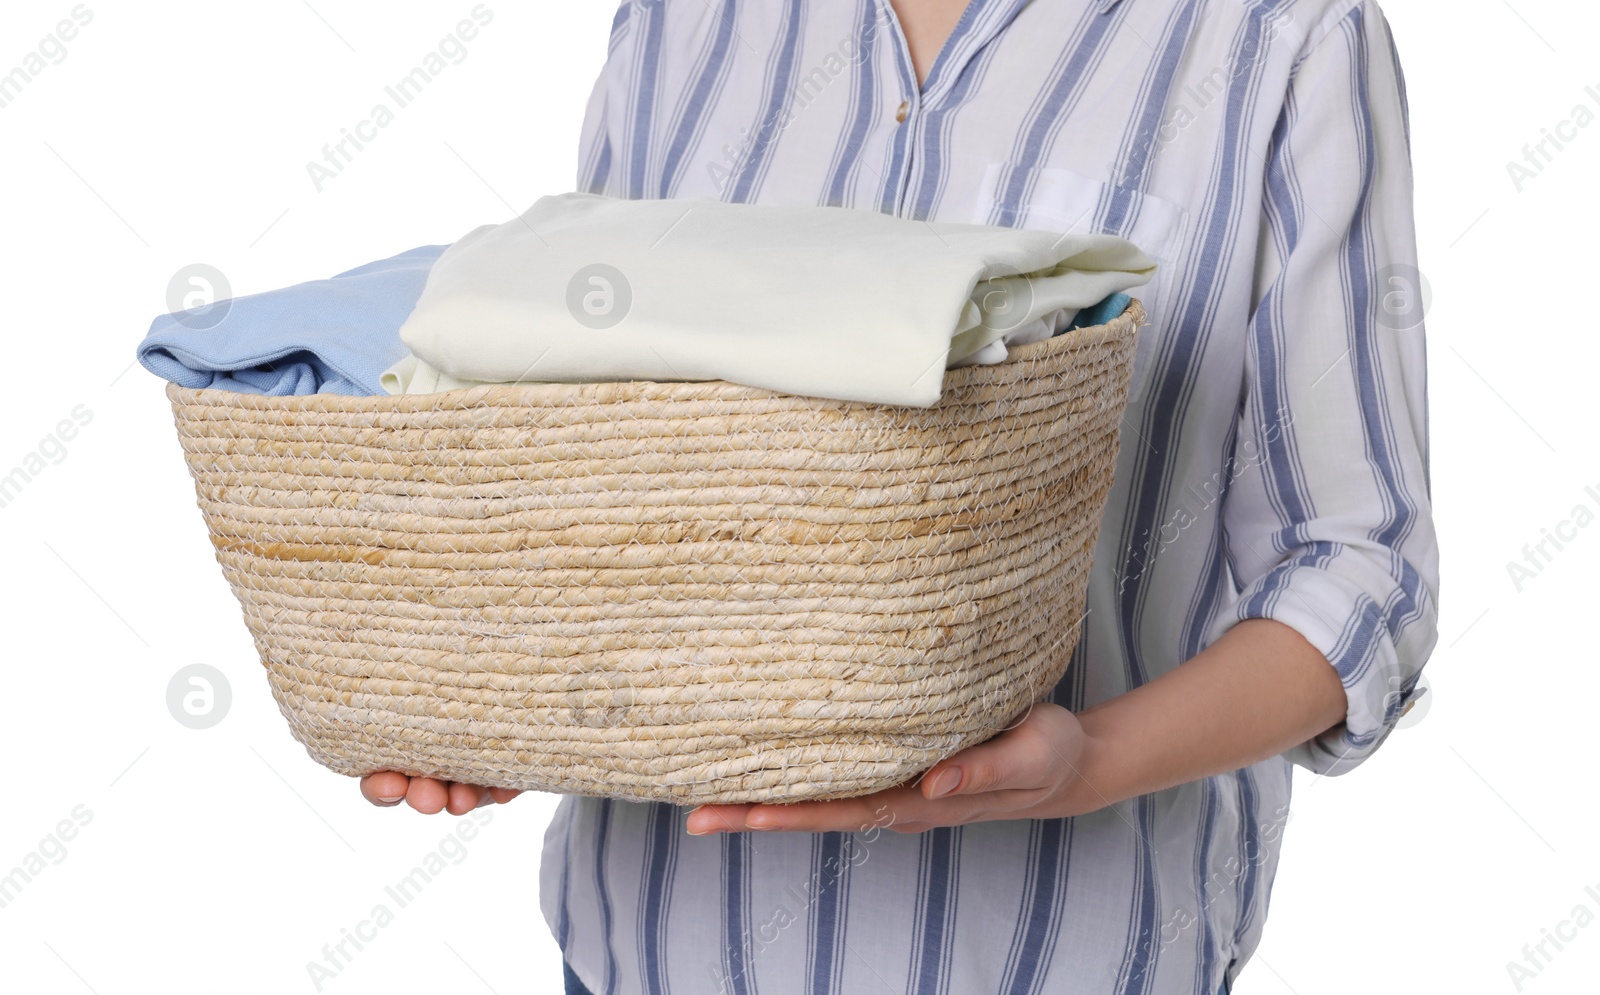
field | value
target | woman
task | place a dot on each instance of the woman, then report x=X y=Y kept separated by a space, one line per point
x=1265 y=587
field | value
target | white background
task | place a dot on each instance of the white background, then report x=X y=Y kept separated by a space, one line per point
x=222 y=860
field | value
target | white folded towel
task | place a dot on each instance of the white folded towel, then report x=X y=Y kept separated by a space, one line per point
x=823 y=301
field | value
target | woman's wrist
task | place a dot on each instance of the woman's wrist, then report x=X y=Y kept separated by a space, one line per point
x=1096 y=782
x=1255 y=692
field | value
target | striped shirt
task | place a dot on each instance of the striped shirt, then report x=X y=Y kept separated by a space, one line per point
x=1274 y=456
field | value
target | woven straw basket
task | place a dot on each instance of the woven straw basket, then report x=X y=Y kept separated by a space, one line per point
x=684 y=592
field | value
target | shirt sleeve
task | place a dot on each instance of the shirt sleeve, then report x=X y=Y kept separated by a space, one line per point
x=1328 y=526
x=595 y=150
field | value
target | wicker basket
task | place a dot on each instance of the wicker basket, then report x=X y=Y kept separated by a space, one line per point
x=685 y=592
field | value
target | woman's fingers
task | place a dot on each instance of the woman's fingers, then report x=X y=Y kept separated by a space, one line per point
x=465 y=797
x=1038 y=752
x=427 y=795
x=856 y=815
x=430 y=795
x=385 y=788
x=716 y=819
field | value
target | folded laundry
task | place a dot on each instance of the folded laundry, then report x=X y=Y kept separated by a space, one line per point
x=1037 y=330
x=333 y=336
x=413 y=376
x=1052 y=324
x=823 y=301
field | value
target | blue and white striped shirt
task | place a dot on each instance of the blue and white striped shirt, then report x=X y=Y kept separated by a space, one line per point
x=1274 y=458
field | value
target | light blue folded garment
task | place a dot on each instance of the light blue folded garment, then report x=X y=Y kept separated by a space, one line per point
x=333 y=336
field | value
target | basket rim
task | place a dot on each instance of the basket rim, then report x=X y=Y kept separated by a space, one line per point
x=533 y=394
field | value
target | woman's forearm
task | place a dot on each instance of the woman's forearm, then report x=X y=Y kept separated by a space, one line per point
x=1260 y=689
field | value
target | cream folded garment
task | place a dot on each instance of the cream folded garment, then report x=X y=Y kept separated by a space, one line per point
x=821 y=301
x=412 y=376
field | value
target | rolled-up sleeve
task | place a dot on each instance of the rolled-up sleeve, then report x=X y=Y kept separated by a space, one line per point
x=1328 y=524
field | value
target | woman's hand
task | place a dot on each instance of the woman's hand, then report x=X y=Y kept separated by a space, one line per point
x=1028 y=771
x=1260 y=689
x=429 y=796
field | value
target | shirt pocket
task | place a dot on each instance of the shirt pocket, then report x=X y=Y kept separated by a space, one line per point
x=1059 y=199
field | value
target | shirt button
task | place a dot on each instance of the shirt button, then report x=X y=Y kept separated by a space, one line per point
x=901 y=111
